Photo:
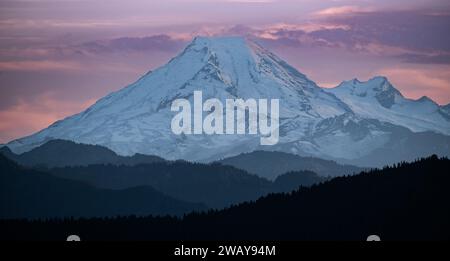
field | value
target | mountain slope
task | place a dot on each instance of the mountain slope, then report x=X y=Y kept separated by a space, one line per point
x=26 y=193
x=271 y=164
x=215 y=185
x=61 y=153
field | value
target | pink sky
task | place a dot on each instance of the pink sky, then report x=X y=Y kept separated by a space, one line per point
x=58 y=57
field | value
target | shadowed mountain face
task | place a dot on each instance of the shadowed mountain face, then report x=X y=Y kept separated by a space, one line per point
x=212 y=184
x=60 y=153
x=265 y=164
x=351 y=122
x=26 y=193
x=405 y=202
x=215 y=185
x=271 y=164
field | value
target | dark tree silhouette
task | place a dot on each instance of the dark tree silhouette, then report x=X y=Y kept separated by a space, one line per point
x=408 y=201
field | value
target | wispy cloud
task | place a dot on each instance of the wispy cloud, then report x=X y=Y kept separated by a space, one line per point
x=343 y=10
x=160 y=43
x=39 y=66
x=427 y=58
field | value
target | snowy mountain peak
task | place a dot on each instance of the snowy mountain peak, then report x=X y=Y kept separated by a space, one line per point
x=377 y=98
x=137 y=118
x=241 y=61
x=378 y=87
x=217 y=42
x=313 y=121
x=354 y=81
x=222 y=67
x=379 y=79
x=426 y=99
x=375 y=82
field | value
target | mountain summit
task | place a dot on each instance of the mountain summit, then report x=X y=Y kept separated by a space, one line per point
x=378 y=99
x=313 y=121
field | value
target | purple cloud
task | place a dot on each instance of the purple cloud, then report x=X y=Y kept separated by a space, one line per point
x=161 y=43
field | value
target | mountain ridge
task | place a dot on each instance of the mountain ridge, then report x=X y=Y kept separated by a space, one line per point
x=271 y=164
x=28 y=193
x=61 y=153
x=215 y=185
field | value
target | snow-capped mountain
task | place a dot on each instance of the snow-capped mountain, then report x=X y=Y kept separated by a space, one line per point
x=378 y=99
x=347 y=122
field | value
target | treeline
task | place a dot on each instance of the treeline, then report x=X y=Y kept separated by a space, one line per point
x=214 y=185
x=408 y=201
